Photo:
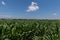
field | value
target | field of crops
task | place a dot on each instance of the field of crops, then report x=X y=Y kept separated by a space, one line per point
x=29 y=29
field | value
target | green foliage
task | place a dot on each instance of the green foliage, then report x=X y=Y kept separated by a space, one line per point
x=29 y=29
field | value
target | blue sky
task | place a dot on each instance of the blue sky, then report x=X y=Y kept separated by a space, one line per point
x=30 y=9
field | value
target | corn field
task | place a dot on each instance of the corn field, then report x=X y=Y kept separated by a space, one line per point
x=29 y=29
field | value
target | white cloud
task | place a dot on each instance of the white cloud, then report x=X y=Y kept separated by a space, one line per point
x=54 y=14
x=3 y=3
x=33 y=7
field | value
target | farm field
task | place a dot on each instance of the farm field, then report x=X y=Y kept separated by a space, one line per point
x=22 y=29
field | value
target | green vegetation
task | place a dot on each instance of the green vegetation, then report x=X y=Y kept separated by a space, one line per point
x=29 y=29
